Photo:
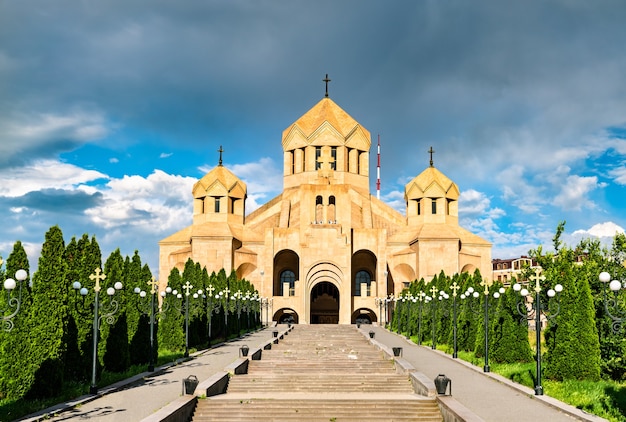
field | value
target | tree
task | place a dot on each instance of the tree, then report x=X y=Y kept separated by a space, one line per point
x=572 y=339
x=48 y=318
x=510 y=332
x=113 y=346
x=171 y=336
x=15 y=344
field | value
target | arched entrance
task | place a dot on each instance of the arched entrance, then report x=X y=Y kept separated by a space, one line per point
x=286 y=316
x=363 y=316
x=324 y=303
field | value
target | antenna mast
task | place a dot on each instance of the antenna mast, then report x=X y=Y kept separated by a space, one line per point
x=378 y=171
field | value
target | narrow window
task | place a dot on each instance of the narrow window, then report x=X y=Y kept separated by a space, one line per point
x=318 y=154
x=434 y=206
x=362 y=277
x=333 y=154
x=288 y=276
x=217 y=204
x=419 y=207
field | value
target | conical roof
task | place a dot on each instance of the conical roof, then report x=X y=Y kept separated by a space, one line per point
x=326 y=110
x=432 y=183
x=222 y=181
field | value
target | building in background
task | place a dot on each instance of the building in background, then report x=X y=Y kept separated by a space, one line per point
x=326 y=250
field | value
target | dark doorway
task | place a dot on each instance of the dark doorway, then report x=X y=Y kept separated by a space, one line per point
x=324 y=304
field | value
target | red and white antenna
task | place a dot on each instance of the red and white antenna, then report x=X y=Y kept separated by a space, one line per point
x=378 y=171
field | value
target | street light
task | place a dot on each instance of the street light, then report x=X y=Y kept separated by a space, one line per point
x=454 y=288
x=421 y=298
x=611 y=305
x=535 y=312
x=11 y=301
x=266 y=303
x=437 y=296
x=472 y=293
x=187 y=287
x=109 y=309
x=150 y=312
x=212 y=306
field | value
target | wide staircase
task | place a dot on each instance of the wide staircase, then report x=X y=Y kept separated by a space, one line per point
x=320 y=373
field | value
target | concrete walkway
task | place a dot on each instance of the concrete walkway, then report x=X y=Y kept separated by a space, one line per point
x=490 y=396
x=141 y=396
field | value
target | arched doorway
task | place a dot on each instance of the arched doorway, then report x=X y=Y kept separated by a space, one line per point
x=364 y=316
x=324 y=303
x=286 y=316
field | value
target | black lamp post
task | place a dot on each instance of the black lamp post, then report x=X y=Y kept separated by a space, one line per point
x=454 y=288
x=611 y=304
x=109 y=309
x=380 y=302
x=12 y=303
x=472 y=293
x=150 y=312
x=184 y=308
x=266 y=303
x=421 y=298
x=437 y=296
x=535 y=311
x=212 y=306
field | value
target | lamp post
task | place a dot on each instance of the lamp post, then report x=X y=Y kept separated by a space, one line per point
x=108 y=311
x=150 y=312
x=266 y=303
x=380 y=303
x=184 y=308
x=455 y=287
x=225 y=301
x=212 y=306
x=611 y=304
x=535 y=312
x=472 y=293
x=437 y=296
x=421 y=298
x=12 y=303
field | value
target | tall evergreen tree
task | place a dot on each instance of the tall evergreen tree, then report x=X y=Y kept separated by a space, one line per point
x=15 y=344
x=510 y=337
x=48 y=318
x=113 y=345
x=171 y=336
x=572 y=340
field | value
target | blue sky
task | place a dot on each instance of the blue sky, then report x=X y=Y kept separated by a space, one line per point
x=111 y=110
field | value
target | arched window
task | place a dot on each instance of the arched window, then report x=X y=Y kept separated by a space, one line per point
x=362 y=277
x=287 y=276
x=319 y=210
x=331 y=210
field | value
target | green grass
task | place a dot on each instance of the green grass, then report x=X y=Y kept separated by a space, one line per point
x=606 y=399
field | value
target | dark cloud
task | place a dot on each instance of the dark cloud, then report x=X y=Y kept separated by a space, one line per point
x=56 y=201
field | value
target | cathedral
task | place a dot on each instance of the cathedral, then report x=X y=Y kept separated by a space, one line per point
x=326 y=250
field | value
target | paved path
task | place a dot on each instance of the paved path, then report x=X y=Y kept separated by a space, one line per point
x=154 y=390
x=490 y=396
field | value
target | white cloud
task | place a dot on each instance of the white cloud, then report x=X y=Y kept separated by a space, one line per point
x=165 y=155
x=574 y=193
x=606 y=229
x=160 y=202
x=44 y=174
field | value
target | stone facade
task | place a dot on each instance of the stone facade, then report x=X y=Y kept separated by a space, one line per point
x=325 y=250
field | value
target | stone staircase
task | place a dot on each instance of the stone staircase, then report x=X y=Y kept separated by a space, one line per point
x=320 y=373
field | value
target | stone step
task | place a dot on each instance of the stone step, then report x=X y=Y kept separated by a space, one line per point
x=342 y=410
x=320 y=373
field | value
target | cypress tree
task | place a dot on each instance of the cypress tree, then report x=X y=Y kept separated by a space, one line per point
x=138 y=310
x=510 y=339
x=574 y=352
x=48 y=318
x=15 y=344
x=113 y=346
x=171 y=335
